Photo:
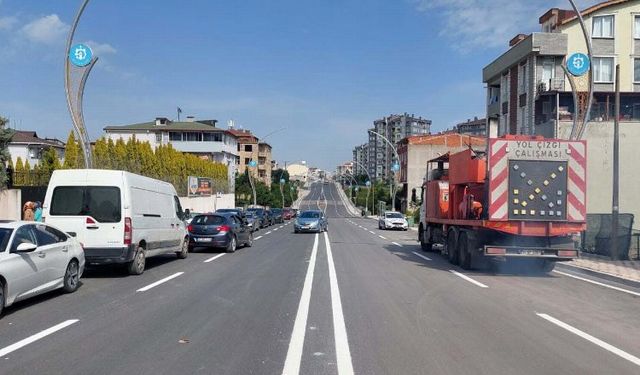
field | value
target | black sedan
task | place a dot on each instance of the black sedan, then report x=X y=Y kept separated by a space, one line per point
x=277 y=215
x=221 y=230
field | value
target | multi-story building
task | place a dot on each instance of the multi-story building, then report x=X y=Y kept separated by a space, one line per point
x=361 y=159
x=250 y=148
x=201 y=138
x=529 y=93
x=27 y=146
x=381 y=156
x=476 y=127
x=415 y=151
x=345 y=168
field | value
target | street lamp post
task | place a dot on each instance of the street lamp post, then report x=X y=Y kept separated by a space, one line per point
x=368 y=182
x=253 y=163
x=394 y=168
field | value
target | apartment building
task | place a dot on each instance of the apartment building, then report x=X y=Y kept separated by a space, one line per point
x=27 y=146
x=345 y=168
x=361 y=159
x=380 y=155
x=476 y=127
x=250 y=148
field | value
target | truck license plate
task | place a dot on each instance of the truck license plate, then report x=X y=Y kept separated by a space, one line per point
x=530 y=252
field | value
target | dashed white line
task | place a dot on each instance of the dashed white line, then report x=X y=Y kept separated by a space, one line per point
x=153 y=285
x=275 y=229
x=31 y=339
x=372 y=232
x=465 y=277
x=397 y=244
x=383 y=237
x=257 y=238
x=598 y=283
x=269 y=232
x=619 y=352
x=419 y=255
x=294 y=353
x=343 y=354
x=216 y=257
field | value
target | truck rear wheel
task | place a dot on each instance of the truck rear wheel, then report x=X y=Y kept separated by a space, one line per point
x=545 y=266
x=464 y=254
x=452 y=247
x=425 y=238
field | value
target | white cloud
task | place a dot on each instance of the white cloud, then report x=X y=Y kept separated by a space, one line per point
x=101 y=49
x=475 y=24
x=7 y=23
x=47 y=30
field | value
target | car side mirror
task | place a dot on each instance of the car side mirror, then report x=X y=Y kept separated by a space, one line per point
x=72 y=234
x=26 y=247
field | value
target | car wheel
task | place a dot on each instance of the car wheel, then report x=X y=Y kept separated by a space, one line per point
x=1 y=297
x=71 y=277
x=249 y=242
x=452 y=247
x=231 y=247
x=464 y=253
x=184 y=252
x=136 y=266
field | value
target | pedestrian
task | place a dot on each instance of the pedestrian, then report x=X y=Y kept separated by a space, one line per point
x=37 y=216
x=27 y=211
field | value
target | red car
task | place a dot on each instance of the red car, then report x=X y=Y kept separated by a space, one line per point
x=288 y=214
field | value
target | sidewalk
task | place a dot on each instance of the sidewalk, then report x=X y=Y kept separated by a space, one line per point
x=623 y=269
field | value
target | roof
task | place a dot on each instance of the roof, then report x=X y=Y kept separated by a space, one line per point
x=171 y=126
x=593 y=9
x=31 y=138
x=449 y=139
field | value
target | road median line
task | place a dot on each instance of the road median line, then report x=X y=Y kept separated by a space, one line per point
x=33 y=338
x=467 y=278
x=161 y=281
x=214 y=258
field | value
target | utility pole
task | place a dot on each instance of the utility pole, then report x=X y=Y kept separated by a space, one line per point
x=615 y=209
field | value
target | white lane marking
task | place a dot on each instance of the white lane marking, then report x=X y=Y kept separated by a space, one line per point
x=280 y=227
x=383 y=237
x=275 y=229
x=372 y=232
x=343 y=354
x=216 y=257
x=31 y=339
x=598 y=283
x=420 y=255
x=619 y=352
x=257 y=238
x=472 y=281
x=294 y=353
x=269 y=232
x=397 y=244
x=144 y=289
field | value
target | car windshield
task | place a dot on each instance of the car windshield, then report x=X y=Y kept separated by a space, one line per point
x=394 y=215
x=208 y=220
x=257 y=211
x=277 y=211
x=250 y=215
x=310 y=215
x=5 y=234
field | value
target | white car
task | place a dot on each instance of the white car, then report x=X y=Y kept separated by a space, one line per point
x=392 y=220
x=36 y=258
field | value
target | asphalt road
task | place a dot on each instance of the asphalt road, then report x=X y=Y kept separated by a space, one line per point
x=356 y=300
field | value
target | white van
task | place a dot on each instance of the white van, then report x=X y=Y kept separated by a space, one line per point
x=119 y=217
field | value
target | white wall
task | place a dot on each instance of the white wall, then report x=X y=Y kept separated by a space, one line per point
x=208 y=204
x=10 y=204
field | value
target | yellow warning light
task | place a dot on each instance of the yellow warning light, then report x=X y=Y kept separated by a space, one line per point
x=524 y=203
x=537 y=190
x=516 y=191
x=532 y=212
x=516 y=201
x=515 y=212
x=546 y=182
x=542 y=213
x=523 y=212
x=532 y=197
x=561 y=168
x=553 y=175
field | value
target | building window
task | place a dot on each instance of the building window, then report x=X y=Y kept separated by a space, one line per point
x=158 y=137
x=603 y=27
x=504 y=88
x=192 y=137
x=248 y=148
x=175 y=136
x=522 y=77
x=548 y=71
x=247 y=161
x=636 y=27
x=636 y=70
x=603 y=69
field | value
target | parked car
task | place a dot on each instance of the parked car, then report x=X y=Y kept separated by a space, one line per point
x=252 y=221
x=295 y=212
x=277 y=215
x=237 y=211
x=188 y=216
x=222 y=230
x=311 y=221
x=287 y=213
x=261 y=216
x=270 y=217
x=392 y=220
x=36 y=258
x=119 y=217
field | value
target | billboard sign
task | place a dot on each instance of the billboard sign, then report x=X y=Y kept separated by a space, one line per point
x=199 y=187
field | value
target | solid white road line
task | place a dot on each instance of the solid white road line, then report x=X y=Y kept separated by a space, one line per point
x=217 y=256
x=598 y=283
x=343 y=354
x=383 y=237
x=472 y=281
x=159 y=282
x=397 y=244
x=418 y=254
x=621 y=353
x=257 y=238
x=31 y=339
x=294 y=353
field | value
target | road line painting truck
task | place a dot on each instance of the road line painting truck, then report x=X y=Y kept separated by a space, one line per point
x=520 y=201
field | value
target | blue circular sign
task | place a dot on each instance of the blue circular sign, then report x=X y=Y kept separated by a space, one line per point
x=80 y=55
x=578 y=64
x=253 y=163
x=368 y=183
x=395 y=167
x=282 y=180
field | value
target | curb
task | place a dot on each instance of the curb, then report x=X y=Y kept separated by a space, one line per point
x=600 y=275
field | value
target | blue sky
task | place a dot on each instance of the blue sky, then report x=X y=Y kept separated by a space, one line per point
x=324 y=69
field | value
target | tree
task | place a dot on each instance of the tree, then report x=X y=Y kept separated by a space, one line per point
x=5 y=137
x=19 y=172
x=72 y=153
x=49 y=163
x=278 y=174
